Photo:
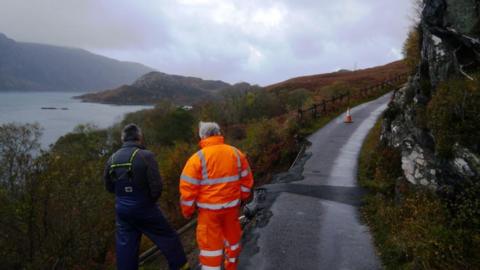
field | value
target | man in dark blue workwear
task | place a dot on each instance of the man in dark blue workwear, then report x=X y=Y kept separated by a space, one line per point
x=132 y=174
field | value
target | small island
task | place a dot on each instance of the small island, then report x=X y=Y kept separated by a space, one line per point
x=55 y=108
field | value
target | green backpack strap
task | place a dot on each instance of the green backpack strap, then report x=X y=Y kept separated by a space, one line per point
x=127 y=165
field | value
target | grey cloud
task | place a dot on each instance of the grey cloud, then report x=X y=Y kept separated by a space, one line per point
x=87 y=24
x=257 y=41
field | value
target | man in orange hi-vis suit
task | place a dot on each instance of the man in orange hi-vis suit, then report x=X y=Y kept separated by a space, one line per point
x=216 y=179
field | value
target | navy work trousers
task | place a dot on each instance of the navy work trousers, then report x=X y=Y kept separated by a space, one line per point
x=151 y=222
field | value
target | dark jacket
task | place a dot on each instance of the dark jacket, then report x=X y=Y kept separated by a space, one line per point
x=143 y=186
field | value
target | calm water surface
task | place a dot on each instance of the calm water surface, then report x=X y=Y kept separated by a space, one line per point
x=26 y=108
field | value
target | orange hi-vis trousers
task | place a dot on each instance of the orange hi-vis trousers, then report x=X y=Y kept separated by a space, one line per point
x=218 y=238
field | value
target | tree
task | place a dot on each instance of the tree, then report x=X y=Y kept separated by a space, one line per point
x=17 y=145
x=59 y=216
x=18 y=192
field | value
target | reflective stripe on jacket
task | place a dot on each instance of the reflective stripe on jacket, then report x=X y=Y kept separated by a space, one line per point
x=216 y=177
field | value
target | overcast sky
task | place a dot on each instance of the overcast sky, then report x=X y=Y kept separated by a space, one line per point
x=259 y=41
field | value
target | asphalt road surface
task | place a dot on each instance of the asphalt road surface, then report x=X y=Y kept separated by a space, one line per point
x=314 y=223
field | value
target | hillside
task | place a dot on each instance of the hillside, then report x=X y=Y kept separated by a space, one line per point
x=358 y=78
x=38 y=67
x=156 y=86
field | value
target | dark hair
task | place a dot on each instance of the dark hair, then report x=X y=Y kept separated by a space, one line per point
x=131 y=132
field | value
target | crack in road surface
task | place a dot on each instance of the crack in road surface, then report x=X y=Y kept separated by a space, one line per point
x=310 y=217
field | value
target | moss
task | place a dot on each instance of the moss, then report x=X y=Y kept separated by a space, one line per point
x=409 y=95
x=421 y=118
x=453 y=115
x=425 y=87
x=392 y=112
x=462 y=15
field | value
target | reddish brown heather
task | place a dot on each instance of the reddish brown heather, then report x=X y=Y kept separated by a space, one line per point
x=356 y=79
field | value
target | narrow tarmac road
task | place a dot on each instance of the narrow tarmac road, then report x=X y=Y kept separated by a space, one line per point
x=314 y=223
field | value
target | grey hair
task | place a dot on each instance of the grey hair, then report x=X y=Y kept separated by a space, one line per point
x=131 y=132
x=208 y=129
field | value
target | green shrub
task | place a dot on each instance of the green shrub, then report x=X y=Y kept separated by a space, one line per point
x=421 y=230
x=421 y=117
x=426 y=87
x=175 y=126
x=412 y=48
x=453 y=115
x=63 y=217
x=268 y=147
x=295 y=99
x=262 y=104
x=392 y=111
x=171 y=162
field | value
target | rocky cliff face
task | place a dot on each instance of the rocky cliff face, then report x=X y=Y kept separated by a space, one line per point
x=450 y=47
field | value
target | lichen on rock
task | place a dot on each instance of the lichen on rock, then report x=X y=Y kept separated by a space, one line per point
x=450 y=47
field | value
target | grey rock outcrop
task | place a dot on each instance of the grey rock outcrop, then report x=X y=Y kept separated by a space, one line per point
x=450 y=32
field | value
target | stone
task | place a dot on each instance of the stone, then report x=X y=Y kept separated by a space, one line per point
x=462 y=15
x=424 y=182
x=418 y=174
x=408 y=167
x=420 y=162
x=462 y=166
x=450 y=44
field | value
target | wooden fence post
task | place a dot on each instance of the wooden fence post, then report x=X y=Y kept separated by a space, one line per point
x=366 y=91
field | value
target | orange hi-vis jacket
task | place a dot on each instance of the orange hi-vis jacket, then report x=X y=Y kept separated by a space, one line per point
x=216 y=177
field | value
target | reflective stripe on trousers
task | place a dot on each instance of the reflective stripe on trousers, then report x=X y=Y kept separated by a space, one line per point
x=232 y=247
x=218 y=206
x=211 y=253
x=204 y=267
x=244 y=189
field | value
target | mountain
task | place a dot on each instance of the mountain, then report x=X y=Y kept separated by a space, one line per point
x=37 y=67
x=358 y=78
x=156 y=86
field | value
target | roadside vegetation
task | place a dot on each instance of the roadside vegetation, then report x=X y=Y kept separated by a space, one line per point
x=55 y=211
x=412 y=48
x=415 y=227
x=453 y=115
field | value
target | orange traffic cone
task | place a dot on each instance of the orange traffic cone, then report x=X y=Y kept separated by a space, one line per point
x=348 y=117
